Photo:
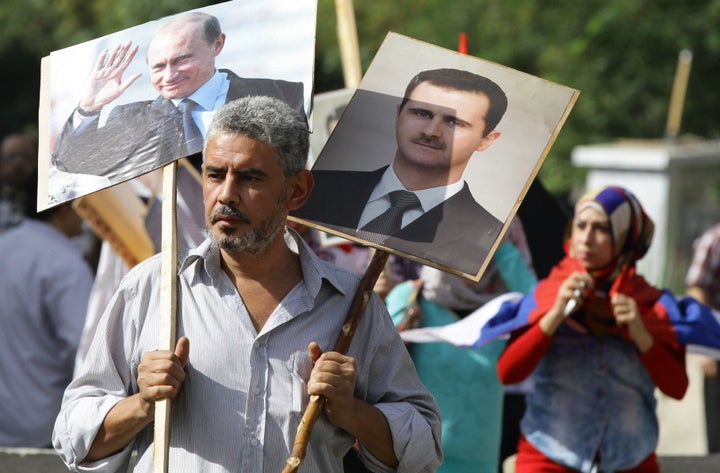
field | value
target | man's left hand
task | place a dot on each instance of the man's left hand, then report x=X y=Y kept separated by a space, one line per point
x=333 y=377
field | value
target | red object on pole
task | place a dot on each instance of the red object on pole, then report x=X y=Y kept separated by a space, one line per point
x=463 y=44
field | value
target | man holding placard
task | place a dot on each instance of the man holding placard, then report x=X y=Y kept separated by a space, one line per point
x=258 y=314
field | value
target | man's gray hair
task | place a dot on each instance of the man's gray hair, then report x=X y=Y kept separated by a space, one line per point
x=270 y=120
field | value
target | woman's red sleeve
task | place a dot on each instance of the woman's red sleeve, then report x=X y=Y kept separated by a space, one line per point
x=666 y=366
x=522 y=354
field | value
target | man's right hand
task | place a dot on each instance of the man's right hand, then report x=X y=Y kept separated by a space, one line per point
x=106 y=81
x=161 y=373
x=160 y=376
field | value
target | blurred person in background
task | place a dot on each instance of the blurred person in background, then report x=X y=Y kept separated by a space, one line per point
x=44 y=286
x=703 y=283
x=464 y=380
x=597 y=342
x=18 y=178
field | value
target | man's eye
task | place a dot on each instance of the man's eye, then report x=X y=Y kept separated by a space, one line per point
x=453 y=122
x=423 y=113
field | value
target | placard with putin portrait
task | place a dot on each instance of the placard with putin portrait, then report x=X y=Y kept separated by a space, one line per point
x=119 y=106
x=434 y=154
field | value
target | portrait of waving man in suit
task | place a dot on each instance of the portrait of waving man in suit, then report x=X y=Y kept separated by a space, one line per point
x=133 y=101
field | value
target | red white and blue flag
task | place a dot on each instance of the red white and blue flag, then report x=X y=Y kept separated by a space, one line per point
x=670 y=319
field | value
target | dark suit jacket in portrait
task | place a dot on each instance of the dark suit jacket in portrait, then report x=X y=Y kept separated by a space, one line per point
x=458 y=233
x=141 y=136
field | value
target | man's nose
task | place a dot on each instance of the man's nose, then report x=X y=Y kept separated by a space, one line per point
x=433 y=127
x=228 y=193
x=169 y=73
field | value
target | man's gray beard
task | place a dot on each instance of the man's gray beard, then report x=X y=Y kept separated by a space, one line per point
x=255 y=242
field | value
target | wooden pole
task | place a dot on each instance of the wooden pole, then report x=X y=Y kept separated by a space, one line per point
x=316 y=404
x=168 y=309
x=677 y=97
x=348 y=41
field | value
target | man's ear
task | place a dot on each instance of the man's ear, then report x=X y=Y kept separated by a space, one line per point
x=218 y=44
x=488 y=140
x=299 y=188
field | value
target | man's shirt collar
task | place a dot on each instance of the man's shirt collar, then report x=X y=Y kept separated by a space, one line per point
x=429 y=198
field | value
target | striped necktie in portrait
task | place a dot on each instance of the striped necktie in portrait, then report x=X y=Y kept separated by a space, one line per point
x=390 y=221
x=193 y=135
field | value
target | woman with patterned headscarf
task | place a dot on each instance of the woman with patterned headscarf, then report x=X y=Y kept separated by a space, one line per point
x=598 y=343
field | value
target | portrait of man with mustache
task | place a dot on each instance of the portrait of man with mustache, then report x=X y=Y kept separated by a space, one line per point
x=420 y=203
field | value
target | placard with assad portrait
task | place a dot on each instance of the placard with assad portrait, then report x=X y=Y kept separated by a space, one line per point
x=434 y=154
